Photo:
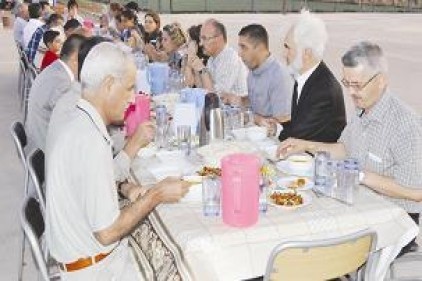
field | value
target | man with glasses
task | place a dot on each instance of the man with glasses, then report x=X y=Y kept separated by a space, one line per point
x=317 y=111
x=385 y=136
x=225 y=72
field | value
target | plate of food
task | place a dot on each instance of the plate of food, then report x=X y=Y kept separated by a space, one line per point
x=289 y=200
x=294 y=183
x=208 y=171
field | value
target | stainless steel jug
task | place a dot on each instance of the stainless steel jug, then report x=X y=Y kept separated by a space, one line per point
x=212 y=120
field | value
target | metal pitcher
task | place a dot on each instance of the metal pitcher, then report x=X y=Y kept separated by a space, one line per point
x=212 y=120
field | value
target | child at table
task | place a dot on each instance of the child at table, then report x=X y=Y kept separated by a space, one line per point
x=53 y=42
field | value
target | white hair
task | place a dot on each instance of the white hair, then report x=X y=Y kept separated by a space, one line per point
x=104 y=59
x=310 y=33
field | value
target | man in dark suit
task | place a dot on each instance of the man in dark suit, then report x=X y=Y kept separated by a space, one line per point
x=318 y=111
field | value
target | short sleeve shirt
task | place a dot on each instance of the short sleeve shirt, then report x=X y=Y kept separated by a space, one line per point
x=81 y=190
x=270 y=89
x=388 y=141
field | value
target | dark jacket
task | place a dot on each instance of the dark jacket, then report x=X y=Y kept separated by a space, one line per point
x=320 y=113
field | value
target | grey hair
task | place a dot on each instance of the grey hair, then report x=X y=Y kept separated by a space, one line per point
x=366 y=54
x=103 y=60
x=310 y=32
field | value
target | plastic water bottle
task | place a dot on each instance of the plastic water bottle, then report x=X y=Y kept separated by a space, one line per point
x=263 y=189
x=349 y=179
x=340 y=177
x=331 y=174
x=321 y=171
x=354 y=171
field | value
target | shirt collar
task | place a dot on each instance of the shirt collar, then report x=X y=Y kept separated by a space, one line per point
x=95 y=117
x=68 y=71
x=380 y=109
x=220 y=54
x=302 y=78
x=264 y=66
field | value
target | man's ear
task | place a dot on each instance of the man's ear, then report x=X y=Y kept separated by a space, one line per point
x=307 y=54
x=107 y=83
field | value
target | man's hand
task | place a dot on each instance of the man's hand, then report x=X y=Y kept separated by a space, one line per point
x=131 y=191
x=231 y=99
x=196 y=63
x=143 y=135
x=292 y=146
x=268 y=122
x=172 y=189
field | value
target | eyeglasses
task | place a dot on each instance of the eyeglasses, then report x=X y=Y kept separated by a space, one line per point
x=206 y=39
x=358 y=86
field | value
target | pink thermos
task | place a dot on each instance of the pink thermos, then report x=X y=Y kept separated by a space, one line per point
x=240 y=189
x=137 y=113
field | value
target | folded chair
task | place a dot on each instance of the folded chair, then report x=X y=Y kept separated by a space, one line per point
x=19 y=138
x=322 y=259
x=33 y=225
x=36 y=172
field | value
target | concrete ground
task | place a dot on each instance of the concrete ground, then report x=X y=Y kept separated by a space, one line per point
x=399 y=34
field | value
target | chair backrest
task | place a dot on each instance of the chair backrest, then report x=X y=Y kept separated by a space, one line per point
x=19 y=137
x=33 y=225
x=323 y=259
x=36 y=171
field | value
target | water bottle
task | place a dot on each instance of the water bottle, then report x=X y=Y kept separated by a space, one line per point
x=321 y=171
x=349 y=180
x=263 y=189
x=320 y=187
x=340 y=178
x=331 y=174
x=354 y=170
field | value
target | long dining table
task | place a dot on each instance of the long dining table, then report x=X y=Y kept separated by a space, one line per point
x=177 y=242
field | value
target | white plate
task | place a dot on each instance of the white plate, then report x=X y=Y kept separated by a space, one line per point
x=283 y=183
x=283 y=166
x=307 y=199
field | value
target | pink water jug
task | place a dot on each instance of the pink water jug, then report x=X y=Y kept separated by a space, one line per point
x=240 y=189
x=137 y=113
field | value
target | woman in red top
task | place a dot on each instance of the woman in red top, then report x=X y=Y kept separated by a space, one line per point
x=54 y=44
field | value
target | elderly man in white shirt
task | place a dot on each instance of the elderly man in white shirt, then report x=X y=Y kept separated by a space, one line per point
x=33 y=23
x=225 y=72
x=22 y=17
x=85 y=228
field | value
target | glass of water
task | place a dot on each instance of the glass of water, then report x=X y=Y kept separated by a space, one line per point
x=184 y=138
x=211 y=196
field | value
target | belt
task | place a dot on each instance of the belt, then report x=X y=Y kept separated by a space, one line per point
x=82 y=263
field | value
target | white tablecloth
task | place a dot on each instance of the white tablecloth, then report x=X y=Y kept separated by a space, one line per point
x=204 y=248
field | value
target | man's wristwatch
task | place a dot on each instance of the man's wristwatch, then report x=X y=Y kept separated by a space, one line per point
x=361 y=176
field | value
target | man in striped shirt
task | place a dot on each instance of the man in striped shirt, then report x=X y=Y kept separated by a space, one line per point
x=225 y=72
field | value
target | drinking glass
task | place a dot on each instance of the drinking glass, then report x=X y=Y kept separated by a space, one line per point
x=184 y=138
x=211 y=196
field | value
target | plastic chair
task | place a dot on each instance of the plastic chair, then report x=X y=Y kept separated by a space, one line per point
x=19 y=137
x=322 y=259
x=36 y=169
x=33 y=226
